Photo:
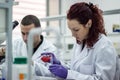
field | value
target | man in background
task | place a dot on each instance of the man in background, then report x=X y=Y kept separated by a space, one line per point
x=40 y=44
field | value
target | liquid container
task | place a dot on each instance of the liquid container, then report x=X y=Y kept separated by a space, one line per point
x=20 y=69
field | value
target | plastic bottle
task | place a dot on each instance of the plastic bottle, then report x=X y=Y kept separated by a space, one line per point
x=3 y=71
x=20 y=69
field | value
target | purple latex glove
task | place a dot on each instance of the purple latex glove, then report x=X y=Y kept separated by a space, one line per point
x=52 y=60
x=58 y=70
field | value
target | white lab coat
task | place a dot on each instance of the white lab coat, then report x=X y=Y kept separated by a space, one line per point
x=96 y=63
x=39 y=68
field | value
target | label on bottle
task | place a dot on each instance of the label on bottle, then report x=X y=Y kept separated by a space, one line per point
x=19 y=72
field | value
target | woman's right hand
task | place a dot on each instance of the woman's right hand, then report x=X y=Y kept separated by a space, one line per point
x=49 y=57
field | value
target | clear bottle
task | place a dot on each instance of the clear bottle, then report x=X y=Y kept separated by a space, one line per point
x=3 y=70
x=20 y=69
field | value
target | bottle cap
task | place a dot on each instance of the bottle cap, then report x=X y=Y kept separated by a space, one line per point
x=20 y=60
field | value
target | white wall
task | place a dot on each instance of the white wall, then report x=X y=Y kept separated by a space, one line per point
x=109 y=4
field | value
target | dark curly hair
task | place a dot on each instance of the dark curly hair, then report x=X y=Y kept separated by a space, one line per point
x=82 y=12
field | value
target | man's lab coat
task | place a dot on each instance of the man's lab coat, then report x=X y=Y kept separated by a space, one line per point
x=39 y=68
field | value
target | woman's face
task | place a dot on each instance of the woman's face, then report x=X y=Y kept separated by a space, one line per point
x=78 y=30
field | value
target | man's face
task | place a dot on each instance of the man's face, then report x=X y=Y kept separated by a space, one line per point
x=25 y=31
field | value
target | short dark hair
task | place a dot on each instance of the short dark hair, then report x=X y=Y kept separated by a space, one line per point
x=31 y=19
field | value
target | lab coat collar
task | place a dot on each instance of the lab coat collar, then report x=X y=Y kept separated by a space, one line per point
x=41 y=49
x=80 y=55
x=100 y=36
